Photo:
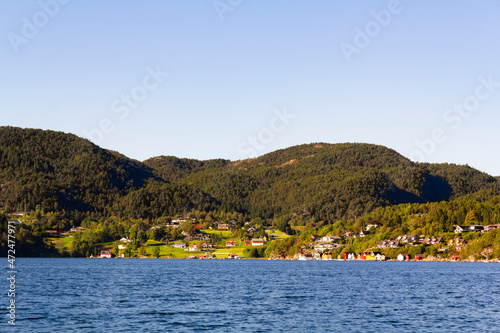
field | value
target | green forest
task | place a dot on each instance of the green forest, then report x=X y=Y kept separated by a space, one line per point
x=60 y=181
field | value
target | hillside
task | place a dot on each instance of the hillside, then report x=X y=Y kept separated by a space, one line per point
x=62 y=172
x=325 y=180
x=64 y=181
x=172 y=168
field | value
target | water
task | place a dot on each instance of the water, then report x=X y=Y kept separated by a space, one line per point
x=98 y=295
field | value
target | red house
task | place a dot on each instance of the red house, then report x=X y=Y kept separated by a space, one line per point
x=419 y=257
x=230 y=243
x=258 y=242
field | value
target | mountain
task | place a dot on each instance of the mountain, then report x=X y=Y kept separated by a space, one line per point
x=61 y=172
x=329 y=181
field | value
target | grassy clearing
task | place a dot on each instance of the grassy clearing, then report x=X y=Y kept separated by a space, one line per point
x=151 y=242
x=65 y=243
x=168 y=251
x=299 y=228
x=277 y=234
x=223 y=233
x=222 y=253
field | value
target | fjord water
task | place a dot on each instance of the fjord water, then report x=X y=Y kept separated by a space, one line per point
x=127 y=295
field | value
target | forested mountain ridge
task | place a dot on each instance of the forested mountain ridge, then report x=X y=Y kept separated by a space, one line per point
x=330 y=181
x=62 y=172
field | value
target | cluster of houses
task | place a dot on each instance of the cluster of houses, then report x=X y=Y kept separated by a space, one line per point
x=404 y=239
x=380 y=257
x=124 y=241
x=209 y=246
x=346 y=256
x=325 y=243
x=365 y=256
x=458 y=242
x=322 y=246
x=175 y=223
x=192 y=247
x=196 y=237
x=371 y=256
x=253 y=242
x=224 y=226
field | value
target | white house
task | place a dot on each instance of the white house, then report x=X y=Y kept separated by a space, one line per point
x=105 y=254
x=403 y=257
x=127 y=240
x=21 y=214
x=303 y=256
x=350 y=256
x=329 y=239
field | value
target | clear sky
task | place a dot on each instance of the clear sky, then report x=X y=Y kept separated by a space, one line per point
x=239 y=78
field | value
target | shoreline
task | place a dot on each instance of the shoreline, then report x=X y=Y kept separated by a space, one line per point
x=267 y=259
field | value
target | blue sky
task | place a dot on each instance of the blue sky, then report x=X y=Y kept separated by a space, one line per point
x=234 y=79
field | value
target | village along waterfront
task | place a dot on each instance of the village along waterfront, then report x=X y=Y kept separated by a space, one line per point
x=90 y=295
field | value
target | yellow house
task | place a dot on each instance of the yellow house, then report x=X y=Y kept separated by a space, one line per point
x=371 y=256
x=457 y=241
x=326 y=256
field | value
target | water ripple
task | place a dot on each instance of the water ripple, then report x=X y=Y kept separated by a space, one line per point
x=79 y=295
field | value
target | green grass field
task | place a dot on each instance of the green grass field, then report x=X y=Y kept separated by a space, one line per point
x=222 y=253
x=277 y=234
x=65 y=242
x=299 y=228
x=153 y=243
x=167 y=251
x=223 y=233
